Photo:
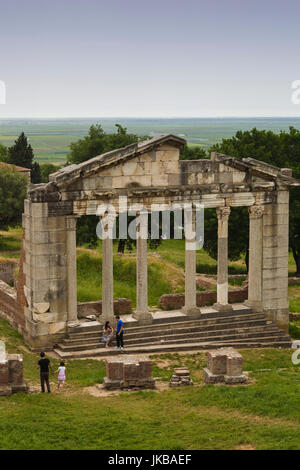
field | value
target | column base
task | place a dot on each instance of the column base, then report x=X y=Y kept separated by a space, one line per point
x=104 y=318
x=144 y=318
x=255 y=304
x=190 y=311
x=73 y=324
x=222 y=307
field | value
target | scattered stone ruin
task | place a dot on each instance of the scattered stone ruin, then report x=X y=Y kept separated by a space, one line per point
x=128 y=372
x=224 y=365
x=44 y=307
x=180 y=377
x=11 y=373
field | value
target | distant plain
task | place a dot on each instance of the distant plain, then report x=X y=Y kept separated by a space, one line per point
x=50 y=138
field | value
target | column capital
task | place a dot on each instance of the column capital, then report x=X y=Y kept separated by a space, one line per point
x=256 y=212
x=223 y=212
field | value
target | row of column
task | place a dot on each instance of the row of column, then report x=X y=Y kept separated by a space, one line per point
x=255 y=263
x=142 y=314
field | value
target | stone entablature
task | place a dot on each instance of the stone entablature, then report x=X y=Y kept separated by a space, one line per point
x=147 y=173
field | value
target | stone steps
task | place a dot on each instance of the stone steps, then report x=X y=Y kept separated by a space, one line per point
x=154 y=349
x=217 y=330
x=187 y=324
x=234 y=333
x=240 y=327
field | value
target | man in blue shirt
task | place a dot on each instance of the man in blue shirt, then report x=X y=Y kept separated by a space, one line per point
x=119 y=333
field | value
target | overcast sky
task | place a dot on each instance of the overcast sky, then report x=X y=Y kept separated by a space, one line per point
x=138 y=58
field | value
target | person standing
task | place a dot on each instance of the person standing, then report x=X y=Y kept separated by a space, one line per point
x=61 y=374
x=43 y=365
x=119 y=333
x=107 y=334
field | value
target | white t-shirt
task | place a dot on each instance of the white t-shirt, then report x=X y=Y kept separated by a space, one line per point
x=62 y=370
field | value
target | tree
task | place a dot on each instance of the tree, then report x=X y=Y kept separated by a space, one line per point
x=46 y=170
x=21 y=154
x=281 y=150
x=35 y=173
x=192 y=153
x=98 y=142
x=4 y=156
x=13 y=187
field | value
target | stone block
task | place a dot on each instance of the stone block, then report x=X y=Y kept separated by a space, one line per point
x=39 y=209
x=145 y=369
x=57 y=327
x=130 y=372
x=167 y=155
x=114 y=369
x=216 y=362
x=283 y=197
x=235 y=379
x=210 y=378
x=15 y=367
x=276 y=262
x=4 y=373
x=234 y=365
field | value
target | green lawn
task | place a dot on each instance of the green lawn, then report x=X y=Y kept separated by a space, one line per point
x=263 y=415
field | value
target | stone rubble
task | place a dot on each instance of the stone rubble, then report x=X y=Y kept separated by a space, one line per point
x=180 y=377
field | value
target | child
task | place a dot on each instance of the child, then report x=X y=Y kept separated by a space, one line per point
x=61 y=374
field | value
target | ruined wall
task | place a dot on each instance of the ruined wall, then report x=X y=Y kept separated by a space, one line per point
x=95 y=308
x=176 y=301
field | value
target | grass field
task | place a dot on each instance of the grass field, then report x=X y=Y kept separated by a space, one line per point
x=50 y=138
x=262 y=415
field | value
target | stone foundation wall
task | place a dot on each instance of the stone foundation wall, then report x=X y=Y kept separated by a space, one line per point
x=7 y=270
x=176 y=301
x=95 y=308
x=9 y=309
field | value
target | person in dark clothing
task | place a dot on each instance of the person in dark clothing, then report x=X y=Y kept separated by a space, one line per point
x=43 y=365
x=119 y=333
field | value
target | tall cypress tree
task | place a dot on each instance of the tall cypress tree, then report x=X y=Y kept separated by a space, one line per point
x=21 y=154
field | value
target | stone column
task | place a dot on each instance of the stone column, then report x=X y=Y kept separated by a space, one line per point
x=190 y=304
x=222 y=282
x=107 y=280
x=255 y=257
x=71 y=272
x=142 y=314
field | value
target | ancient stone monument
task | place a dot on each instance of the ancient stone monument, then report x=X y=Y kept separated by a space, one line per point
x=180 y=377
x=45 y=307
x=11 y=372
x=224 y=365
x=128 y=372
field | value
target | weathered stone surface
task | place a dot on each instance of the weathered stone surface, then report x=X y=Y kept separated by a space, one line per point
x=181 y=377
x=128 y=373
x=11 y=374
x=224 y=365
x=216 y=361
